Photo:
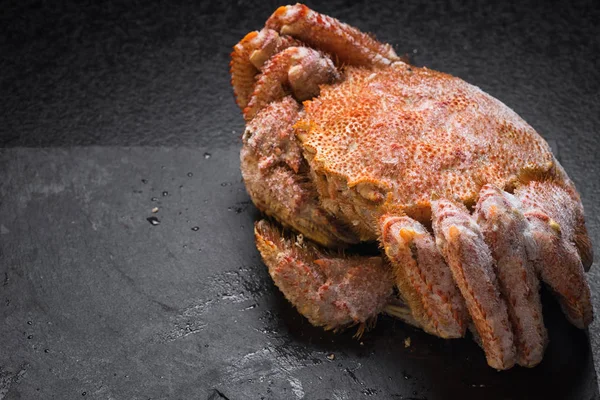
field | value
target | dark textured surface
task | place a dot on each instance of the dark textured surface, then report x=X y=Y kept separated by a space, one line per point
x=96 y=300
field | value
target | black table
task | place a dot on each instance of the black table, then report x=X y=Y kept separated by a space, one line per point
x=109 y=110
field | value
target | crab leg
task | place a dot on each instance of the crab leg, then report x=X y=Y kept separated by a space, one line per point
x=322 y=32
x=556 y=223
x=298 y=26
x=330 y=291
x=506 y=232
x=463 y=246
x=423 y=278
x=300 y=68
x=248 y=58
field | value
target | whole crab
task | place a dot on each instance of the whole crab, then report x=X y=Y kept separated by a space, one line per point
x=345 y=142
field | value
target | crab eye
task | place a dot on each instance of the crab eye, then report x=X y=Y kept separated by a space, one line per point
x=371 y=191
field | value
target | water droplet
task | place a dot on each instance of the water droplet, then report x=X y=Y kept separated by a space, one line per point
x=144 y=181
x=29 y=322
x=165 y=193
x=185 y=246
x=223 y=183
x=154 y=199
x=153 y=221
x=190 y=174
x=83 y=393
x=46 y=350
x=406 y=376
x=195 y=228
x=207 y=155
x=30 y=337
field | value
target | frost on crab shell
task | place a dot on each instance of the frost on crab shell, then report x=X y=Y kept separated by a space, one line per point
x=345 y=142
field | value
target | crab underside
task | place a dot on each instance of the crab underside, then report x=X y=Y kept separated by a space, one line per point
x=345 y=142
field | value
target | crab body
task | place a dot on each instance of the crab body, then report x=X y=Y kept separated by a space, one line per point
x=388 y=140
x=345 y=142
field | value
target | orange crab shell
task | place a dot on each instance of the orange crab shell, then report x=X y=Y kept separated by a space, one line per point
x=402 y=134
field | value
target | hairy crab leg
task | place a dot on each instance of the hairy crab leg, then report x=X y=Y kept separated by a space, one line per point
x=462 y=244
x=556 y=223
x=300 y=68
x=506 y=232
x=330 y=291
x=322 y=32
x=248 y=58
x=276 y=176
x=423 y=278
x=296 y=26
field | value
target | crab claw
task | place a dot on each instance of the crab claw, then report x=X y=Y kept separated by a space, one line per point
x=331 y=291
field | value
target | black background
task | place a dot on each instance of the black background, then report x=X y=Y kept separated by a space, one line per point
x=97 y=96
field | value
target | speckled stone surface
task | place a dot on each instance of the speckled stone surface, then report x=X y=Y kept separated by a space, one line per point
x=95 y=97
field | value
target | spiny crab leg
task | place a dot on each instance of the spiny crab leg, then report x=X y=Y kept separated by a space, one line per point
x=297 y=26
x=424 y=280
x=248 y=58
x=300 y=68
x=498 y=254
x=489 y=255
x=506 y=231
x=331 y=291
x=558 y=231
x=462 y=243
x=322 y=32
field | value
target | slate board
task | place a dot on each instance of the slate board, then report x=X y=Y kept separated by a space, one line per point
x=97 y=302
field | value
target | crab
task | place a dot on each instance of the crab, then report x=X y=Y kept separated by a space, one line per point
x=346 y=142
